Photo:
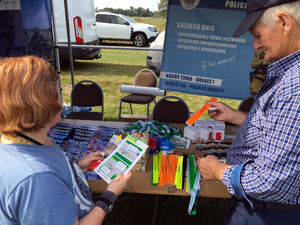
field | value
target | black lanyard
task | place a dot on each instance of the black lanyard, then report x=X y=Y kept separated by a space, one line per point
x=29 y=139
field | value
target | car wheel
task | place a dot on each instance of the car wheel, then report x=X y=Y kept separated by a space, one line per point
x=139 y=40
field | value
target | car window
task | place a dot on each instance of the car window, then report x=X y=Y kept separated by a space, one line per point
x=102 y=18
x=131 y=20
x=117 y=20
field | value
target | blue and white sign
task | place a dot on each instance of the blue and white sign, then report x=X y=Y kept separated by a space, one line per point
x=200 y=56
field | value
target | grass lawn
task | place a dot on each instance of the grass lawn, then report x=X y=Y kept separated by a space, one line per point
x=115 y=68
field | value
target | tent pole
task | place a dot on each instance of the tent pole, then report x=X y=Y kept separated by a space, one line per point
x=56 y=50
x=69 y=41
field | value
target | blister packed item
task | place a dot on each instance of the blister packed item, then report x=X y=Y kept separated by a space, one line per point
x=97 y=141
x=74 y=151
x=218 y=133
x=92 y=176
x=192 y=133
x=210 y=123
x=73 y=157
x=199 y=123
x=205 y=133
x=220 y=123
x=60 y=132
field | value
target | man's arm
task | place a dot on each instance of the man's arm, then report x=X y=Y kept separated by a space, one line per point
x=226 y=113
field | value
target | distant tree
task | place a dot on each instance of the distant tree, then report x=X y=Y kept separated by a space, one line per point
x=127 y=12
x=119 y=10
x=133 y=11
x=139 y=11
x=145 y=13
x=162 y=8
x=108 y=9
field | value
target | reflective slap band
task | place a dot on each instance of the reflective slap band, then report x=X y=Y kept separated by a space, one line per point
x=235 y=181
x=200 y=112
x=155 y=170
x=178 y=176
x=171 y=168
x=192 y=170
x=162 y=174
x=192 y=210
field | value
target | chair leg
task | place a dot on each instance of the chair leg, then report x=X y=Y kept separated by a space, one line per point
x=148 y=110
x=131 y=108
x=120 y=111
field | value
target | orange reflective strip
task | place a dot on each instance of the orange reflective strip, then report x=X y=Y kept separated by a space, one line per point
x=200 y=112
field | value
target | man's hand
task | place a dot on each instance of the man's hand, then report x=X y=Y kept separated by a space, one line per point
x=211 y=168
x=226 y=113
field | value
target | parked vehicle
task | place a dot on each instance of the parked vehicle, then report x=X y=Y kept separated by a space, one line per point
x=154 y=57
x=114 y=26
x=82 y=28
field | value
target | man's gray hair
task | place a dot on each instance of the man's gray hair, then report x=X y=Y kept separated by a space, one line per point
x=269 y=16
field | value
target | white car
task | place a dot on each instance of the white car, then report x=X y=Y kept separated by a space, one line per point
x=114 y=26
x=154 y=57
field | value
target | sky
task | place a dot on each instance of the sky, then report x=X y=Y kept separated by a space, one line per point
x=125 y=4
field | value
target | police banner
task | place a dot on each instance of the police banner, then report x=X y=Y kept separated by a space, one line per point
x=26 y=28
x=200 y=56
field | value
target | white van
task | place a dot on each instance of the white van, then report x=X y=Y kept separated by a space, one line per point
x=82 y=28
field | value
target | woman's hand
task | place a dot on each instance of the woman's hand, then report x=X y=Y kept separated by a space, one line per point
x=87 y=160
x=118 y=184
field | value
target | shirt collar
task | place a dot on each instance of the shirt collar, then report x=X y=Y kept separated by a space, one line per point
x=279 y=67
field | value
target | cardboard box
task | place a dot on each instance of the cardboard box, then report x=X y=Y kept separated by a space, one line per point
x=142 y=163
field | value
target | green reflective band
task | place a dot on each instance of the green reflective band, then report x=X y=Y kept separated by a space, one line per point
x=192 y=210
x=155 y=170
x=192 y=171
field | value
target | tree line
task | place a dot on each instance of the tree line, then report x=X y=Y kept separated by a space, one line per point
x=140 y=11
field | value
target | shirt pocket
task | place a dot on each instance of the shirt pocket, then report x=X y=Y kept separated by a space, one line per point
x=258 y=120
x=253 y=130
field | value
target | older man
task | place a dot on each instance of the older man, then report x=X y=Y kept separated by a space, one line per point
x=263 y=170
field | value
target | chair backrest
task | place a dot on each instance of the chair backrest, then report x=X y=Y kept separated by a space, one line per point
x=86 y=93
x=145 y=78
x=246 y=104
x=169 y=111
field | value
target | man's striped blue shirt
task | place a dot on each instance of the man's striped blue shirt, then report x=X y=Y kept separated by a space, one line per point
x=270 y=136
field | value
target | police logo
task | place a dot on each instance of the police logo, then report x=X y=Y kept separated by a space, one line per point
x=189 y=4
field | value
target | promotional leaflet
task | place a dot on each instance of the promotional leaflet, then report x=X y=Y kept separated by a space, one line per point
x=122 y=159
